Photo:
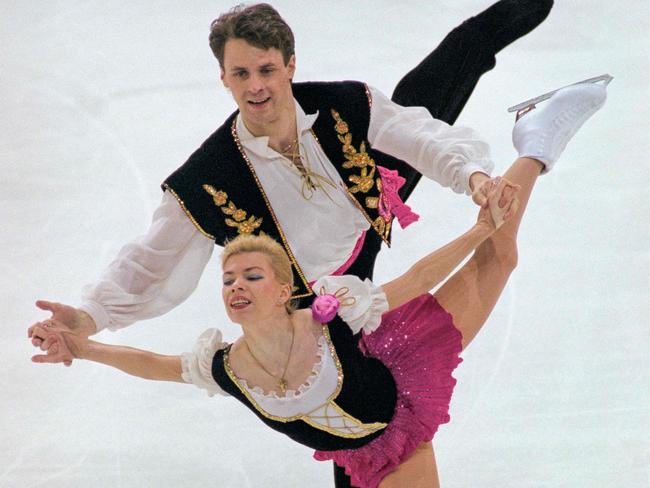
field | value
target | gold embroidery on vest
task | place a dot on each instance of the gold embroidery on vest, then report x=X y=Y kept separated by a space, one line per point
x=354 y=201
x=381 y=225
x=238 y=220
x=372 y=202
x=364 y=181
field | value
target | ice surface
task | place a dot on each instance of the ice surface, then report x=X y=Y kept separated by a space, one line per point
x=99 y=101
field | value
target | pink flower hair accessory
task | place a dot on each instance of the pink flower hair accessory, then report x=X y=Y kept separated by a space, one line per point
x=325 y=306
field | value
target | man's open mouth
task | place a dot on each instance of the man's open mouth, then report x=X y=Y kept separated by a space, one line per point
x=260 y=102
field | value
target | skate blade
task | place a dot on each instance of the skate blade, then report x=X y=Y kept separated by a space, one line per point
x=528 y=105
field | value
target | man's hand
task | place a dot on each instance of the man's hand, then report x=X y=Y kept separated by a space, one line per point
x=69 y=317
x=501 y=202
x=479 y=188
x=481 y=185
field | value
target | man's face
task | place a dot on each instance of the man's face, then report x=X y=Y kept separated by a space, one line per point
x=260 y=84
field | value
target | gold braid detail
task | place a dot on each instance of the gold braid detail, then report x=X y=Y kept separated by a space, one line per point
x=330 y=402
x=238 y=220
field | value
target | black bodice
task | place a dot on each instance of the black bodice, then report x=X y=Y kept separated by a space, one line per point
x=367 y=393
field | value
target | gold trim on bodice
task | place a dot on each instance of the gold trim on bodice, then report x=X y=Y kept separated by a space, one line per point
x=328 y=417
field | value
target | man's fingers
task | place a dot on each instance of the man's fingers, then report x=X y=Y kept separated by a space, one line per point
x=45 y=305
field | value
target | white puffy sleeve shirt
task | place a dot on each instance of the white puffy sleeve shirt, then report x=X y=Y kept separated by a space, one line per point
x=158 y=271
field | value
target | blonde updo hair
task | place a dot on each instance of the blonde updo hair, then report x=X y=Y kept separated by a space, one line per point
x=264 y=244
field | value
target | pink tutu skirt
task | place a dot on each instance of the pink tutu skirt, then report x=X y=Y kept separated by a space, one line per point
x=419 y=344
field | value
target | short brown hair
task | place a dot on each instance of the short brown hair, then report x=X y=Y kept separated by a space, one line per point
x=260 y=25
x=266 y=245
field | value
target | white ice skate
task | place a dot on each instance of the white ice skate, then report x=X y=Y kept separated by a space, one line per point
x=543 y=133
x=524 y=107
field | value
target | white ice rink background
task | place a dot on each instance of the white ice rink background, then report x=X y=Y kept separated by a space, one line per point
x=100 y=101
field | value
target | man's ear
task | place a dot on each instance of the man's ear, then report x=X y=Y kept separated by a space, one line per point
x=222 y=75
x=291 y=65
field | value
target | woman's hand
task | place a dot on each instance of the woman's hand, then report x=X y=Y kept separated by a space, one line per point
x=69 y=317
x=61 y=344
x=501 y=202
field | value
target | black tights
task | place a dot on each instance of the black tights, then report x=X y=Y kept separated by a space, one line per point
x=444 y=81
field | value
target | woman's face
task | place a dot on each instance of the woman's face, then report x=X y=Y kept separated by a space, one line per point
x=251 y=291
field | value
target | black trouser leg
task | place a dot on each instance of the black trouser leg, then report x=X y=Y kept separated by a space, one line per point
x=444 y=81
x=341 y=480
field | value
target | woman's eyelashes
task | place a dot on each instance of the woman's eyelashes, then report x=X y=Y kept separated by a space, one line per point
x=230 y=281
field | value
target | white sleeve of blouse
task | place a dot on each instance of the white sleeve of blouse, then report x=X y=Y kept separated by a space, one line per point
x=152 y=274
x=444 y=153
x=369 y=301
x=197 y=365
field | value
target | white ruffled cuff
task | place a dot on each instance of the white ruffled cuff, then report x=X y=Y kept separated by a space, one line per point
x=369 y=301
x=197 y=365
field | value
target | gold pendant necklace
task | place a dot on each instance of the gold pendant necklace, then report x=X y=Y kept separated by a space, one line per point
x=282 y=381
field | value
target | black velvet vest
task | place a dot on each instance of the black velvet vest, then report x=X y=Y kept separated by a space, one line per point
x=366 y=392
x=220 y=192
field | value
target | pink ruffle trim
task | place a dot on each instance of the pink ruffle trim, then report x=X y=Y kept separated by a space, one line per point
x=390 y=202
x=420 y=345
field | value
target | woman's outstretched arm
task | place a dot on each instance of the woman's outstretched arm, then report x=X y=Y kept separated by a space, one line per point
x=63 y=345
x=435 y=267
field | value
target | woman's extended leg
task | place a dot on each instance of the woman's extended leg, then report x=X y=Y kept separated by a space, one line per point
x=541 y=135
x=471 y=293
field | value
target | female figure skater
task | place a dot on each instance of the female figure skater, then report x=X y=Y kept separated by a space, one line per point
x=364 y=377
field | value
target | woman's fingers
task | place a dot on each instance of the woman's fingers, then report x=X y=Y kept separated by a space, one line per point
x=47 y=342
x=36 y=340
x=52 y=355
x=49 y=333
x=502 y=200
x=514 y=208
